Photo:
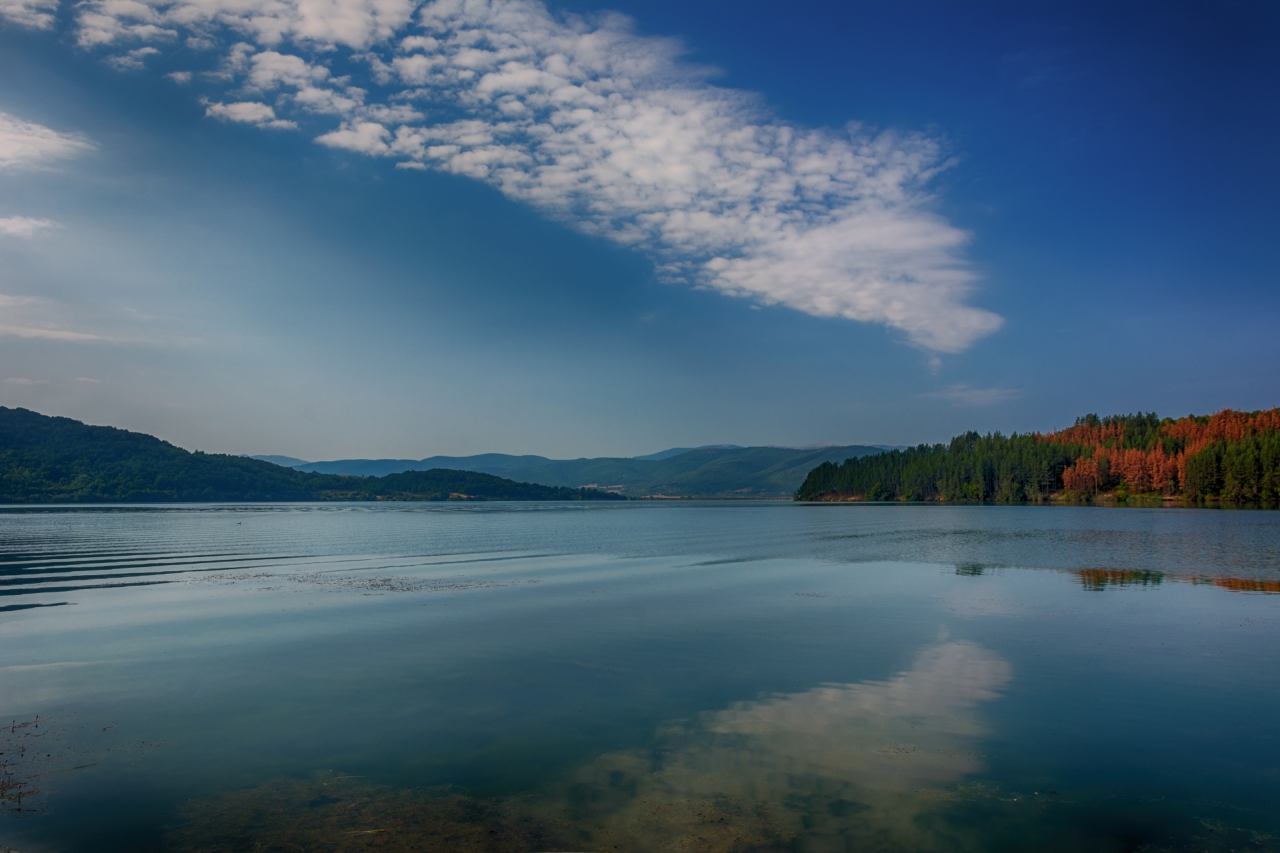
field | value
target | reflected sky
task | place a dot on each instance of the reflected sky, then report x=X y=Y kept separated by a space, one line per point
x=837 y=761
x=712 y=677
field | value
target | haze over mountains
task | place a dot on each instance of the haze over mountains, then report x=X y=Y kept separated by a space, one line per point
x=679 y=472
x=47 y=459
x=58 y=460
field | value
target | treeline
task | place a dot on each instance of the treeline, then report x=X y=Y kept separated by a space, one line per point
x=1230 y=456
x=59 y=460
x=446 y=484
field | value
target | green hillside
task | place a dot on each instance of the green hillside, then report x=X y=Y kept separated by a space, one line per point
x=722 y=471
x=442 y=484
x=59 y=460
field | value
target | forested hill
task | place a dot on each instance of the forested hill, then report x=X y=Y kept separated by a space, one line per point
x=57 y=460
x=1228 y=457
x=716 y=471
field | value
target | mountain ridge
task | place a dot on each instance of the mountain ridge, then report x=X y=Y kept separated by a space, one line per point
x=47 y=459
x=710 y=471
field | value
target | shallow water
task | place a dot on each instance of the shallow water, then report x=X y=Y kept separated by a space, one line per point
x=639 y=677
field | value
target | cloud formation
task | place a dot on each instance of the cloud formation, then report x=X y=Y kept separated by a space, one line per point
x=27 y=145
x=24 y=226
x=249 y=112
x=133 y=60
x=600 y=128
x=37 y=14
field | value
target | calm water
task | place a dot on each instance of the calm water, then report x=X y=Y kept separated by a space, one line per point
x=639 y=677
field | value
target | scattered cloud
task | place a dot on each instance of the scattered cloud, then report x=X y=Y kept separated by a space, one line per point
x=352 y=24
x=27 y=145
x=182 y=78
x=966 y=395
x=24 y=226
x=88 y=381
x=607 y=131
x=367 y=137
x=133 y=60
x=269 y=70
x=249 y=112
x=36 y=14
x=18 y=380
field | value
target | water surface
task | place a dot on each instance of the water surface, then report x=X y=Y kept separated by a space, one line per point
x=639 y=677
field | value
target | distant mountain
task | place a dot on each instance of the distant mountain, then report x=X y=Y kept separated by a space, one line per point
x=498 y=464
x=732 y=472
x=286 y=461
x=713 y=471
x=57 y=460
x=676 y=451
x=441 y=484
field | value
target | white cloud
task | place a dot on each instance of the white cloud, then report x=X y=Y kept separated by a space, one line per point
x=182 y=78
x=271 y=69
x=36 y=14
x=609 y=132
x=24 y=226
x=349 y=23
x=367 y=137
x=248 y=112
x=133 y=60
x=27 y=145
x=329 y=102
x=18 y=380
x=966 y=395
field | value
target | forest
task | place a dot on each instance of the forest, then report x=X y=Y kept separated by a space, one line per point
x=58 y=460
x=1230 y=457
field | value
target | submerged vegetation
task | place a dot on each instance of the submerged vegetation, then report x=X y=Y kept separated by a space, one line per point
x=875 y=765
x=1229 y=457
x=59 y=460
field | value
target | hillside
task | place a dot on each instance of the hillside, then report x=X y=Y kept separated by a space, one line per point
x=744 y=472
x=498 y=464
x=706 y=472
x=440 y=484
x=1231 y=457
x=59 y=460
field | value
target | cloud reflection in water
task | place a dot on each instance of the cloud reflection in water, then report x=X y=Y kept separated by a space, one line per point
x=833 y=767
x=835 y=764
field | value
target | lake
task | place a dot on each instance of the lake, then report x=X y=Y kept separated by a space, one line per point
x=638 y=677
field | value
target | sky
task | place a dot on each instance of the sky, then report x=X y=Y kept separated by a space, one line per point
x=387 y=228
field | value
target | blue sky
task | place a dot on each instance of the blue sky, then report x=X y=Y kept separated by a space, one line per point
x=386 y=228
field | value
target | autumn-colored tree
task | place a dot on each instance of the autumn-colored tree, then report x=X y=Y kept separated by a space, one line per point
x=1231 y=455
x=1159 y=460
